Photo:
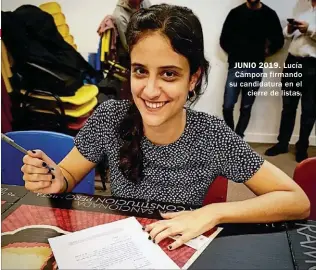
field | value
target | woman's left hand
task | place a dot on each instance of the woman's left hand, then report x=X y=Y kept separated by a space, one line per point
x=187 y=224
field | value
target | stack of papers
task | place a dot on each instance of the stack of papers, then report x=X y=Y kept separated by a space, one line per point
x=118 y=245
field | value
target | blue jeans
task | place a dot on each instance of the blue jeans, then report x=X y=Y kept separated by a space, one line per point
x=234 y=85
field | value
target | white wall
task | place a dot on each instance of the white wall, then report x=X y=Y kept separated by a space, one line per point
x=83 y=18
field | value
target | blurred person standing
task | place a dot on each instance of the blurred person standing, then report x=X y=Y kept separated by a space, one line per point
x=121 y=17
x=251 y=32
x=122 y=14
x=301 y=59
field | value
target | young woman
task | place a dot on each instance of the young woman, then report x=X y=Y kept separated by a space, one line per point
x=159 y=150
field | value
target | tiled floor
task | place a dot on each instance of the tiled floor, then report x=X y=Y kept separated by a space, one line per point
x=286 y=162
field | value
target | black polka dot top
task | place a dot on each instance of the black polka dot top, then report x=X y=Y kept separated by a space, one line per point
x=180 y=172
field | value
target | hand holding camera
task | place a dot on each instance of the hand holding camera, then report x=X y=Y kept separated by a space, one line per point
x=294 y=25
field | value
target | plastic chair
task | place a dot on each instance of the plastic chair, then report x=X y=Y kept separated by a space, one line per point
x=59 y=18
x=217 y=191
x=305 y=177
x=109 y=61
x=69 y=39
x=6 y=68
x=83 y=102
x=63 y=30
x=66 y=108
x=51 y=7
x=55 y=145
x=54 y=9
x=59 y=113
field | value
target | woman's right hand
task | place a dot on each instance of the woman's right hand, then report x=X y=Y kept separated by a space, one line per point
x=40 y=179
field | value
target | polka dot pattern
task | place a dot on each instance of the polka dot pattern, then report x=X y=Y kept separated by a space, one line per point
x=180 y=172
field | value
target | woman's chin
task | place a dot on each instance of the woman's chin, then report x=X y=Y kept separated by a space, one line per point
x=153 y=121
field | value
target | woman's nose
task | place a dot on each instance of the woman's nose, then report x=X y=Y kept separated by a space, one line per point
x=151 y=89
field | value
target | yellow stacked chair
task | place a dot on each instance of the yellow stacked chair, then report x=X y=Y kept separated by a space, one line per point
x=54 y=9
x=72 y=110
x=111 y=66
x=6 y=68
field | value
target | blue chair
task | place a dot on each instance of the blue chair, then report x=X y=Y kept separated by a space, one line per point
x=55 y=145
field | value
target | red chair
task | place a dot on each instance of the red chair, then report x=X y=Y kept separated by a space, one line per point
x=217 y=191
x=305 y=177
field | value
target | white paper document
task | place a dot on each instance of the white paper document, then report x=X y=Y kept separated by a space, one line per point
x=195 y=243
x=117 y=245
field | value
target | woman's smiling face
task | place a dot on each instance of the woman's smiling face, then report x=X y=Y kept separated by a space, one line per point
x=160 y=79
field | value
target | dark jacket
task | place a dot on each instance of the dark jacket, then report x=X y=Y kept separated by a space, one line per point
x=31 y=36
x=251 y=35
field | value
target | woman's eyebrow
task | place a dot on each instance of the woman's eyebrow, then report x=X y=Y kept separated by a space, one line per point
x=171 y=67
x=162 y=67
x=137 y=65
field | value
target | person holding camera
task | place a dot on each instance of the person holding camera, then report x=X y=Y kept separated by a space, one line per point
x=302 y=59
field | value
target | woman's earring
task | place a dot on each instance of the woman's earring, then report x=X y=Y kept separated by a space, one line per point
x=191 y=94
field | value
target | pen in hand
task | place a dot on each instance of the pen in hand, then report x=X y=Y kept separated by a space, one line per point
x=21 y=149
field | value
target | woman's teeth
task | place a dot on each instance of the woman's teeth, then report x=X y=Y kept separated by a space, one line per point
x=154 y=105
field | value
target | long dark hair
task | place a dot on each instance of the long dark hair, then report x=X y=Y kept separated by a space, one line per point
x=184 y=31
